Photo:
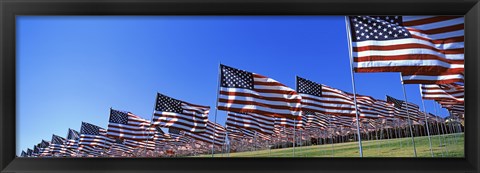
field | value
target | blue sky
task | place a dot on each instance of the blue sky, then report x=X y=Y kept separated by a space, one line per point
x=73 y=69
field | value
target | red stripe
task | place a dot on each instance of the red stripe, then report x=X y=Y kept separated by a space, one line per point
x=432 y=81
x=429 y=20
x=449 y=71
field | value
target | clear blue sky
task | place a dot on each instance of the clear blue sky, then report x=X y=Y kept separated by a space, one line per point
x=73 y=69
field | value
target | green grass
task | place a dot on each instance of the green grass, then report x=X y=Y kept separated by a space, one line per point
x=377 y=148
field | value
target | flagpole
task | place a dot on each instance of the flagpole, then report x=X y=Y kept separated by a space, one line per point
x=408 y=116
x=216 y=108
x=353 y=84
x=426 y=121
x=294 y=125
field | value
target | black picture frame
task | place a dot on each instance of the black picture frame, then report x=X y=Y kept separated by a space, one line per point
x=9 y=9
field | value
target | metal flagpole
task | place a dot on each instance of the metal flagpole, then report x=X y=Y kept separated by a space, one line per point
x=426 y=121
x=347 y=24
x=408 y=116
x=216 y=108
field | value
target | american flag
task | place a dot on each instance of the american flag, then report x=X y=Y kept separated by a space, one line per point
x=234 y=132
x=170 y=112
x=93 y=139
x=178 y=136
x=242 y=91
x=425 y=49
x=298 y=123
x=324 y=99
x=126 y=125
x=44 y=149
x=58 y=145
x=29 y=152
x=373 y=108
x=443 y=92
x=214 y=133
x=316 y=120
x=251 y=121
x=342 y=121
x=36 y=151
x=175 y=138
x=147 y=144
x=453 y=106
x=401 y=107
x=72 y=141
x=251 y=134
x=119 y=149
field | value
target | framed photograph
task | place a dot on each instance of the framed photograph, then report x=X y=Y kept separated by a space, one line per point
x=257 y=86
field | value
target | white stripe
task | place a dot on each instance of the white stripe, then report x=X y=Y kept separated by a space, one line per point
x=439 y=36
x=408 y=52
x=432 y=78
x=439 y=24
x=128 y=128
x=410 y=18
x=262 y=101
x=261 y=108
x=167 y=122
x=393 y=63
x=186 y=118
x=326 y=104
x=443 y=46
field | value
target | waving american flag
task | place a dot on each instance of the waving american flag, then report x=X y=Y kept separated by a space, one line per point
x=245 y=92
x=425 y=49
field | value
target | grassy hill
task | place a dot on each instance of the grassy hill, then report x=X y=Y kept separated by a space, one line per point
x=452 y=145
